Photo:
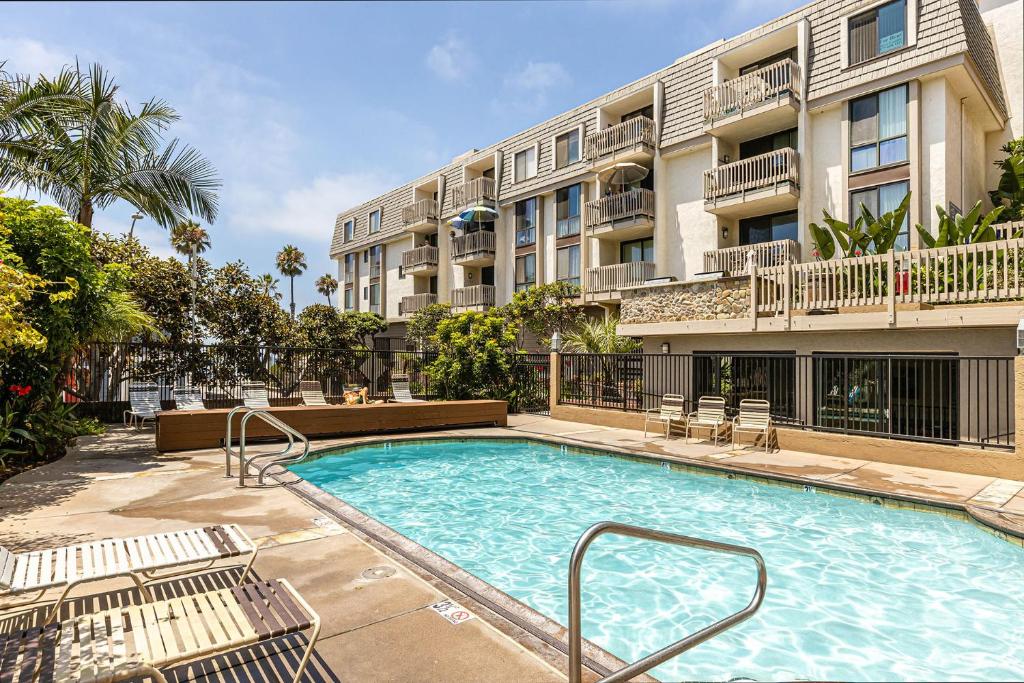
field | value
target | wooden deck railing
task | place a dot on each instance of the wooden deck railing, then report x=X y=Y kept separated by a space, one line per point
x=482 y=241
x=629 y=204
x=423 y=210
x=736 y=260
x=477 y=295
x=410 y=304
x=474 y=191
x=636 y=132
x=750 y=90
x=755 y=173
x=615 y=277
x=419 y=256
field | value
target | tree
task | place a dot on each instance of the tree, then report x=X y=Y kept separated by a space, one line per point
x=599 y=336
x=423 y=324
x=1009 y=191
x=75 y=142
x=327 y=285
x=546 y=309
x=324 y=327
x=269 y=284
x=190 y=239
x=291 y=262
x=475 y=353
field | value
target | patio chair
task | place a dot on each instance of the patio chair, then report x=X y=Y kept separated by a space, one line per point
x=136 y=557
x=710 y=414
x=754 y=418
x=188 y=398
x=312 y=393
x=145 y=402
x=135 y=641
x=254 y=395
x=670 y=412
x=400 y=390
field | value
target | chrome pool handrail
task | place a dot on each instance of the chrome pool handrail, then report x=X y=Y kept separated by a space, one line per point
x=654 y=659
x=279 y=457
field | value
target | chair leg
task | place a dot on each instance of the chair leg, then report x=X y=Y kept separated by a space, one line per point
x=308 y=653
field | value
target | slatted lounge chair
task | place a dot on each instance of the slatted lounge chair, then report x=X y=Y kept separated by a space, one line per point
x=400 y=390
x=670 y=412
x=254 y=395
x=145 y=402
x=134 y=641
x=754 y=418
x=710 y=414
x=312 y=394
x=137 y=557
x=188 y=398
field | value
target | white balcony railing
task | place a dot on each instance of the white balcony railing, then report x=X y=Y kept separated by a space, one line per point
x=615 y=277
x=752 y=89
x=420 y=256
x=629 y=204
x=736 y=260
x=474 y=191
x=411 y=304
x=418 y=212
x=480 y=242
x=637 y=132
x=477 y=295
x=755 y=173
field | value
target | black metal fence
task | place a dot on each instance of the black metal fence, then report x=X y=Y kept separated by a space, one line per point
x=935 y=397
x=532 y=384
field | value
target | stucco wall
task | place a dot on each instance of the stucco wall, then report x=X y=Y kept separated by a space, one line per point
x=395 y=288
x=688 y=230
x=825 y=181
x=1005 y=24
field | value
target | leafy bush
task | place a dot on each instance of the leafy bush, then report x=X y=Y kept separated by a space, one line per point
x=1009 y=192
x=475 y=356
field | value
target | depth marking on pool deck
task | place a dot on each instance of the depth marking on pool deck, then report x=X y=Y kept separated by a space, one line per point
x=452 y=611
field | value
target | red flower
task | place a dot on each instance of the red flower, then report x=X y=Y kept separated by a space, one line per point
x=19 y=390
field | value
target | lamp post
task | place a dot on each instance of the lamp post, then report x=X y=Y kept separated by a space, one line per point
x=138 y=215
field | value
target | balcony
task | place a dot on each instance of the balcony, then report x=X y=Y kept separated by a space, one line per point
x=411 y=304
x=477 y=297
x=604 y=282
x=631 y=140
x=474 y=249
x=754 y=104
x=420 y=216
x=420 y=261
x=736 y=260
x=475 y=191
x=625 y=215
x=767 y=183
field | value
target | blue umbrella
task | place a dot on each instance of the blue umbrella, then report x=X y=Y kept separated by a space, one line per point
x=478 y=214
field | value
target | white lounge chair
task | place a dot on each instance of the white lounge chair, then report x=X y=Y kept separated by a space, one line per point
x=710 y=414
x=136 y=557
x=312 y=393
x=188 y=398
x=400 y=390
x=134 y=641
x=754 y=418
x=670 y=412
x=254 y=395
x=145 y=402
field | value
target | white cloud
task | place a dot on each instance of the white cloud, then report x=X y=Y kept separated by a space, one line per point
x=451 y=60
x=32 y=57
x=526 y=89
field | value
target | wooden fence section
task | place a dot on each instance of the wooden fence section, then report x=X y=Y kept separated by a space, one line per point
x=419 y=256
x=756 y=173
x=423 y=210
x=752 y=89
x=636 y=132
x=415 y=302
x=475 y=190
x=477 y=295
x=615 y=277
x=620 y=206
x=473 y=243
x=736 y=260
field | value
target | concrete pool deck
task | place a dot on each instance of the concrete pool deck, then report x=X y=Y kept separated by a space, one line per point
x=380 y=629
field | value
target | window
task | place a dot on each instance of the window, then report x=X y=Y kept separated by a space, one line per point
x=525 y=164
x=567 y=211
x=401 y=272
x=567 y=148
x=349 y=302
x=349 y=230
x=880 y=200
x=375 y=253
x=768 y=143
x=878 y=129
x=789 y=54
x=877 y=31
x=637 y=250
x=526 y=222
x=526 y=271
x=781 y=226
x=375 y=299
x=567 y=265
x=375 y=221
x=350 y=268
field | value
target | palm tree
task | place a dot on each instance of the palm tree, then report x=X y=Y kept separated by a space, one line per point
x=269 y=284
x=291 y=262
x=598 y=336
x=72 y=139
x=327 y=285
x=190 y=239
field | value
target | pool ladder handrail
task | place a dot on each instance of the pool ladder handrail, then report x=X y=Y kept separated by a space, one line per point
x=281 y=457
x=654 y=659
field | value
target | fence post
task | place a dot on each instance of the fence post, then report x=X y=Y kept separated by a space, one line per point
x=1018 y=405
x=753 y=296
x=890 y=276
x=554 y=380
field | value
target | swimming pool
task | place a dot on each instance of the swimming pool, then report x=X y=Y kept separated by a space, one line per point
x=856 y=591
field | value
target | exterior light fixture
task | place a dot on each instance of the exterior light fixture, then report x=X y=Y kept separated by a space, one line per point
x=666 y=348
x=1020 y=337
x=725 y=232
x=556 y=341
x=137 y=216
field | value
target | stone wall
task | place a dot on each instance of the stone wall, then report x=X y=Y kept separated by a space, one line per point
x=722 y=299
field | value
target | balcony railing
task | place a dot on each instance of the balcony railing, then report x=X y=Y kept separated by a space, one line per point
x=615 y=277
x=736 y=260
x=637 y=132
x=755 y=173
x=474 y=191
x=410 y=304
x=567 y=227
x=477 y=295
x=418 y=212
x=621 y=206
x=482 y=241
x=750 y=90
x=420 y=256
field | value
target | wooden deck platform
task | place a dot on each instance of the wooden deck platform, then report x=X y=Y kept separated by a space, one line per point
x=178 y=430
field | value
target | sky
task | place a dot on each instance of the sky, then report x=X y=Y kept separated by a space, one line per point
x=307 y=109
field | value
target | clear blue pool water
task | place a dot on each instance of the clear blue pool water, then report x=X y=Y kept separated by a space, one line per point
x=855 y=591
